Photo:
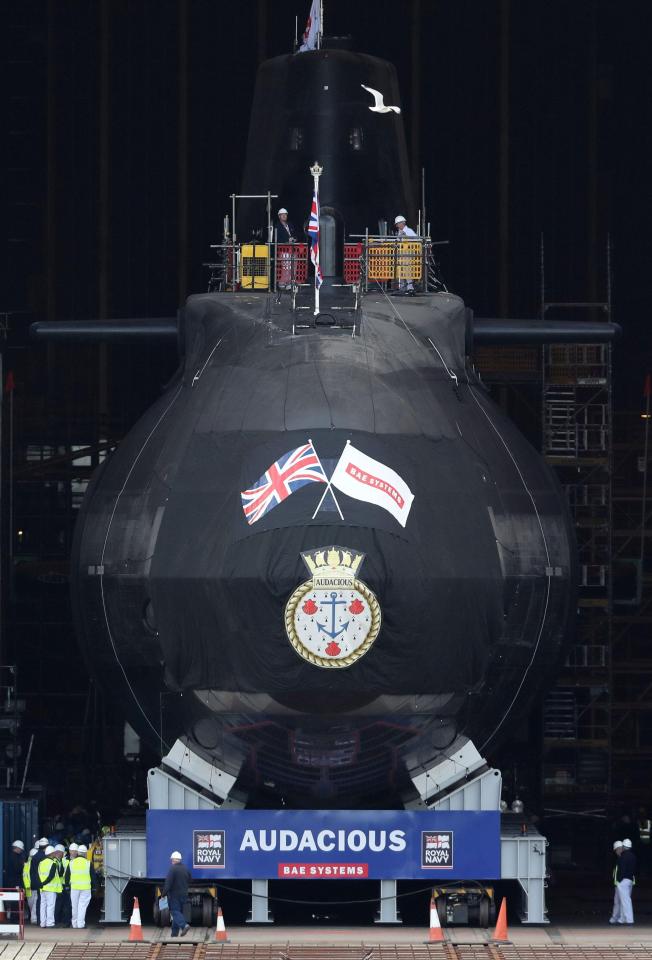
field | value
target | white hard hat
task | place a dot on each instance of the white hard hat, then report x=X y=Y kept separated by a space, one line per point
x=43 y=842
x=73 y=846
x=33 y=851
x=627 y=844
x=176 y=855
x=60 y=848
x=19 y=844
x=48 y=850
x=82 y=848
x=617 y=843
x=282 y=210
x=399 y=219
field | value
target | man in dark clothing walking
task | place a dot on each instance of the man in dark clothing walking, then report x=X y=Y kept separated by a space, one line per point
x=176 y=890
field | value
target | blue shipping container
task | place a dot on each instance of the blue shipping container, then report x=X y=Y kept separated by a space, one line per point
x=18 y=821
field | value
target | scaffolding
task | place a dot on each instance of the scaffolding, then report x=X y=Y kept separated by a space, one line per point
x=577 y=441
x=571 y=387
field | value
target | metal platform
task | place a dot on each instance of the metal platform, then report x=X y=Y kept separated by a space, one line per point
x=522 y=859
x=461 y=781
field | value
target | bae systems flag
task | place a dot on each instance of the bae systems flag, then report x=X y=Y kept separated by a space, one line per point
x=289 y=473
x=364 y=478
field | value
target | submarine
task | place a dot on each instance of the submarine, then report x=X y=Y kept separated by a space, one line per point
x=324 y=558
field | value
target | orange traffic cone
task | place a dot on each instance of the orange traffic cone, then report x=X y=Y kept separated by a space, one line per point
x=220 y=929
x=135 y=925
x=500 y=933
x=435 y=934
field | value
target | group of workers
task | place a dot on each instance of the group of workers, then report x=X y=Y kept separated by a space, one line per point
x=624 y=880
x=286 y=232
x=57 y=883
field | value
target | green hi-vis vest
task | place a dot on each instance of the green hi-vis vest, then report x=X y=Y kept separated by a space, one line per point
x=55 y=885
x=80 y=874
x=27 y=881
x=616 y=882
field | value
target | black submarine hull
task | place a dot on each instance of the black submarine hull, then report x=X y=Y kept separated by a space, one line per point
x=180 y=601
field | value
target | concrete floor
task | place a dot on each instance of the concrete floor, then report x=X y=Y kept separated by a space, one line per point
x=602 y=935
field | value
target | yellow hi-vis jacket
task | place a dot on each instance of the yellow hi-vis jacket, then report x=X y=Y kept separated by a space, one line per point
x=80 y=874
x=27 y=881
x=49 y=868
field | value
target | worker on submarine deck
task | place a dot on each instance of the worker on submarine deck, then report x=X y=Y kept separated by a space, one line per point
x=403 y=232
x=284 y=229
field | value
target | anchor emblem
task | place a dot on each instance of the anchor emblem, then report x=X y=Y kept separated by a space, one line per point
x=349 y=610
x=333 y=603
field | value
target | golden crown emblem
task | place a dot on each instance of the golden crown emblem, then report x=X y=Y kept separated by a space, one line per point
x=334 y=561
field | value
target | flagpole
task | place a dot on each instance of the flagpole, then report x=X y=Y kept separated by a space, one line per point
x=323 y=497
x=328 y=486
x=316 y=172
x=321 y=24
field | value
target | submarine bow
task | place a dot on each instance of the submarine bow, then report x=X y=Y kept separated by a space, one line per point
x=321 y=557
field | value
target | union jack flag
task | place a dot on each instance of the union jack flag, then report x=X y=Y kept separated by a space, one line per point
x=290 y=472
x=438 y=840
x=313 y=230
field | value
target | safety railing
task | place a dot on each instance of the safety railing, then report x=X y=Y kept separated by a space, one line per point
x=291 y=264
x=286 y=266
x=224 y=268
x=12 y=909
x=383 y=259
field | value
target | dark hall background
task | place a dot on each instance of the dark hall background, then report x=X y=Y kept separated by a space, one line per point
x=124 y=132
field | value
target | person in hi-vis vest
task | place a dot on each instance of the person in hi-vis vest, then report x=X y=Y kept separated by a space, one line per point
x=35 y=879
x=81 y=881
x=30 y=895
x=51 y=885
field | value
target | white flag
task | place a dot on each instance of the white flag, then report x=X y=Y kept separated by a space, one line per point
x=364 y=478
x=310 y=40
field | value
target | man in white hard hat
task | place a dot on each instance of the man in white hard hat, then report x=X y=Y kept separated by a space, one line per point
x=403 y=232
x=284 y=229
x=285 y=233
x=15 y=864
x=64 y=906
x=34 y=874
x=81 y=882
x=176 y=890
x=616 y=909
x=50 y=879
x=14 y=873
x=625 y=877
x=59 y=854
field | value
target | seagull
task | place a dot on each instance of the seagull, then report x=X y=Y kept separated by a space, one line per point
x=379 y=103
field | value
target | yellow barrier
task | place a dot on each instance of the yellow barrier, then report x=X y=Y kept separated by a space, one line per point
x=254 y=272
x=394 y=261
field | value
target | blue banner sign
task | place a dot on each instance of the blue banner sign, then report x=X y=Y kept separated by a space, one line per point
x=326 y=844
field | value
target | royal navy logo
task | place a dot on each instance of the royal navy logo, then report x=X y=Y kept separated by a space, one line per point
x=332 y=619
x=437 y=850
